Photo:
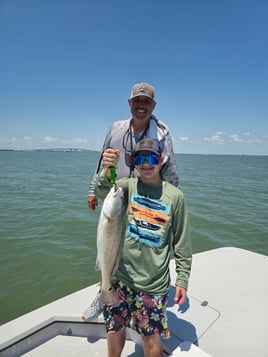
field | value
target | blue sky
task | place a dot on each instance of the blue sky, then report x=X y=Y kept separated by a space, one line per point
x=67 y=69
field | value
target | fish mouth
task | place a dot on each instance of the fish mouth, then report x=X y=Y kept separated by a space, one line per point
x=116 y=189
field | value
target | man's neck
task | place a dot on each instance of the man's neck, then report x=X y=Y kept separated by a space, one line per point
x=139 y=125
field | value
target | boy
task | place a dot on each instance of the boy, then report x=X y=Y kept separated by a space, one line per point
x=156 y=223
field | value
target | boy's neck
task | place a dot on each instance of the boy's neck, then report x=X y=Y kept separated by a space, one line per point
x=155 y=181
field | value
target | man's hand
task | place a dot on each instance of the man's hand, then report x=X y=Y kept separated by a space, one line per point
x=110 y=157
x=92 y=202
x=180 y=295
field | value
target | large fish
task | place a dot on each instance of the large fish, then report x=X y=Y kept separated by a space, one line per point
x=109 y=235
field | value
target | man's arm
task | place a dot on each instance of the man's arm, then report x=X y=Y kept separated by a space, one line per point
x=92 y=199
x=169 y=171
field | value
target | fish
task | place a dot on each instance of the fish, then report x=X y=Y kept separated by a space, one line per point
x=109 y=235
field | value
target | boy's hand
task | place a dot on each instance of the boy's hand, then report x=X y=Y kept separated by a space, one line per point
x=180 y=295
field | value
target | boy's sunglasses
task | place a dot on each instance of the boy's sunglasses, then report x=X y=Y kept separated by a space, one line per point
x=151 y=159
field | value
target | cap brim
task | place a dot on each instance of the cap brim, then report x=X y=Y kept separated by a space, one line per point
x=147 y=149
x=141 y=95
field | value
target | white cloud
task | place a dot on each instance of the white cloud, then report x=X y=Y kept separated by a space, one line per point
x=184 y=138
x=13 y=139
x=236 y=138
x=51 y=139
x=220 y=133
x=216 y=138
x=80 y=141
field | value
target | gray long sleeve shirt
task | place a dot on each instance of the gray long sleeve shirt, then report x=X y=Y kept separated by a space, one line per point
x=120 y=136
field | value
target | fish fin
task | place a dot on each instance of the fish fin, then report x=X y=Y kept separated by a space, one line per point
x=97 y=266
x=110 y=297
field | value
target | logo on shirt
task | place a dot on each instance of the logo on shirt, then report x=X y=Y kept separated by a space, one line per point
x=147 y=220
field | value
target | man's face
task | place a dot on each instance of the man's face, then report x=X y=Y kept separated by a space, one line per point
x=141 y=107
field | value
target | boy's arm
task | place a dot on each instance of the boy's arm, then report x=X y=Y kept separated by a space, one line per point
x=102 y=185
x=182 y=245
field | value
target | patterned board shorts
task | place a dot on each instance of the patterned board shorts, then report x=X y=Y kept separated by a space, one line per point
x=144 y=313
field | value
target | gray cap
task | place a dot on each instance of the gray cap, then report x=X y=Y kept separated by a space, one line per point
x=144 y=89
x=148 y=145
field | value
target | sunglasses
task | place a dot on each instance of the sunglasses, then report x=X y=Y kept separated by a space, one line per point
x=150 y=159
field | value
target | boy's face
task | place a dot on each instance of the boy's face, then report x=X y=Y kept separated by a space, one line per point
x=148 y=165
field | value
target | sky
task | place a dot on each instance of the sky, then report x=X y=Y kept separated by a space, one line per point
x=67 y=69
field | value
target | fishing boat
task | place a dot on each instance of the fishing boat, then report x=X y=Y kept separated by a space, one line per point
x=225 y=315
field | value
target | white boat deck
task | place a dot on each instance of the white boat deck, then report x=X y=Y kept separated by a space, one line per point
x=225 y=316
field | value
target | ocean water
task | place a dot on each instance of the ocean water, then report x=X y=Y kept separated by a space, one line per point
x=48 y=234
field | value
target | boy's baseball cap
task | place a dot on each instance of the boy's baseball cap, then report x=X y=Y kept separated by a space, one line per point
x=148 y=145
x=144 y=89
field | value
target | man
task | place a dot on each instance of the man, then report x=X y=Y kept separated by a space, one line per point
x=156 y=224
x=123 y=136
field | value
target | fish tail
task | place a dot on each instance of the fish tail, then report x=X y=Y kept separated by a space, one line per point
x=110 y=297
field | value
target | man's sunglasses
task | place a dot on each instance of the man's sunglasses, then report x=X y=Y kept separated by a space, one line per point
x=150 y=159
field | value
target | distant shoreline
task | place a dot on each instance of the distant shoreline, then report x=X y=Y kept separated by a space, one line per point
x=51 y=150
x=97 y=151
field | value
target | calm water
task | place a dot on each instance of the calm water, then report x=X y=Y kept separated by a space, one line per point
x=48 y=234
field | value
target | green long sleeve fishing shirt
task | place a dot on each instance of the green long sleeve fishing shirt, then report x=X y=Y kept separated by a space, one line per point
x=156 y=227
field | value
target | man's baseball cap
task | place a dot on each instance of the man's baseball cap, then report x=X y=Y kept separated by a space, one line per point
x=144 y=89
x=148 y=145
